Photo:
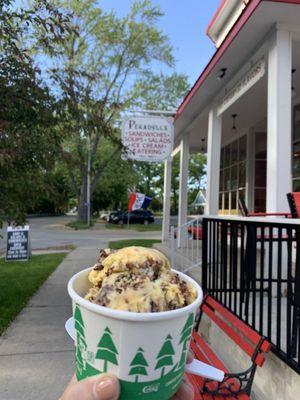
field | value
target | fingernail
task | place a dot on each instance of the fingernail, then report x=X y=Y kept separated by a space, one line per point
x=106 y=389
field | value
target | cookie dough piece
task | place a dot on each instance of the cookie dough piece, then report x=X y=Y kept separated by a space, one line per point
x=134 y=259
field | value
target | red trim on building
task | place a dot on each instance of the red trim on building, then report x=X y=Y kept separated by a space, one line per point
x=285 y=1
x=244 y=17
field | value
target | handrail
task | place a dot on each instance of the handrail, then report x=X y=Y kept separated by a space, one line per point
x=181 y=229
x=187 y=245
x=264 y=220
x=252 y=267
x=190 y=222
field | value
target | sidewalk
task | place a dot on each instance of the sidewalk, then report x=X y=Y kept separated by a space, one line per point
x=36 y=355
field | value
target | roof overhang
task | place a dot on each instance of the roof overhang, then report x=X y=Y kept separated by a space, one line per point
x=224 y=19
x=250 y=31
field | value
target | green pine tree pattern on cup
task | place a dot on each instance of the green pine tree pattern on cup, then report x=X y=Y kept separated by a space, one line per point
x=83 y=368
x=167 y=371
x=138 y=365
x=81 y=343
x=185 y=336
x=165 y=355
x=107 y=350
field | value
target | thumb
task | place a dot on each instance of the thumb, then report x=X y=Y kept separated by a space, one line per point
x=101 y=387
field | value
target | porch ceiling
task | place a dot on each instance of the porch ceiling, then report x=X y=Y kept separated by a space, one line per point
x=251 y=111
x=252 y=107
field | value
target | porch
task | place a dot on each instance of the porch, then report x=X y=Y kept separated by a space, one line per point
x=252 y=267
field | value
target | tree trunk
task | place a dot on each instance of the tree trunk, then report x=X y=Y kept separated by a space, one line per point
x=105 y=366
x=82 y=202
x=148 y=181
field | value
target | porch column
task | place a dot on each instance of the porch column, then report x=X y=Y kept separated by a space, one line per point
x=183 y=180
x=250 y=170
x=279 y=136
x=213 y=162
x=167 y=200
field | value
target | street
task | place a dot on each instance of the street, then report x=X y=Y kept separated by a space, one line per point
x=51 y=232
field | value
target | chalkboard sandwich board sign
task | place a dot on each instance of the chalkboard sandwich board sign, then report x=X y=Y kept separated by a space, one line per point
x=17 y=243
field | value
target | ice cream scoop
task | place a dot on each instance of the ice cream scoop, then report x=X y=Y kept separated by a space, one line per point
x=138 y=279
x=134 y=259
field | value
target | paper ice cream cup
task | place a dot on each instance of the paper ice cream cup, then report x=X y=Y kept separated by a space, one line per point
x=146 y=351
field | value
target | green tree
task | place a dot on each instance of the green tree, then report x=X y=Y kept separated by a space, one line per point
x=184 y=338
x=197 y=170
x=197 y=166
x=96 y=73
x=138 y=365
x=107 y=350
x=161 y=91
x=56 y=198
x=111 y=192
x=29 y=140
x=165 y=354
x=148 y=177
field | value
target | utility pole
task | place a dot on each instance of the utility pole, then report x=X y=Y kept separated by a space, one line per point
x=88 y=182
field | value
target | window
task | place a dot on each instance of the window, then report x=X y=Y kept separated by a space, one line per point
x=232 y=175
x=242 y=175
x=243 y=148
x=260 y=178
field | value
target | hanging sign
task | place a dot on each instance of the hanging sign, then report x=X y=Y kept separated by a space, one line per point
x=17 y=243
x=147 y=138
x=248 y=80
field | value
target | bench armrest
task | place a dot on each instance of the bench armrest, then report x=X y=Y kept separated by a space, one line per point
x=286 y=215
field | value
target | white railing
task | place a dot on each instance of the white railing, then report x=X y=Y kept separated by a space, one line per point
x=186 y=245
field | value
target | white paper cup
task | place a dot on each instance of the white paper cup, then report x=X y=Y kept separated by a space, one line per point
x=146 y=351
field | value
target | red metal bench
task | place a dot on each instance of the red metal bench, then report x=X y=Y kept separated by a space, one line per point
x=235 y=385
x=245 y=212
x=294 y=203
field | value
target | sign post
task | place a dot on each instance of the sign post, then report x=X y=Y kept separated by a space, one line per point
x=18 y=246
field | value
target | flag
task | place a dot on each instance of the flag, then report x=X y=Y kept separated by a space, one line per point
x=137 y=201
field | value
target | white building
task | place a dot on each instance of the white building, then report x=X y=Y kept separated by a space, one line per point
x=245 y=109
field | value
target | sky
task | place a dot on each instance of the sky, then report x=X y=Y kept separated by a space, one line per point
x=185 y=23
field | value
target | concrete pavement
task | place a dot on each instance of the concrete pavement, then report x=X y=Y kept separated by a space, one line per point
x=36 y=355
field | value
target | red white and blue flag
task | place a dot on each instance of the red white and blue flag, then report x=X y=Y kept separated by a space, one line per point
x=137 y=201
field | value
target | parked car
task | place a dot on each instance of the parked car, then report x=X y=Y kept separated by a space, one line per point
x=105 y=215
x=194 y=232
x=114 y=214
x=135 y=217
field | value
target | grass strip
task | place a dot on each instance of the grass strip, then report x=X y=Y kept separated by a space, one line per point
x=78 y=225
x=119 y=244
x=135 y=227
x=19 y=280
